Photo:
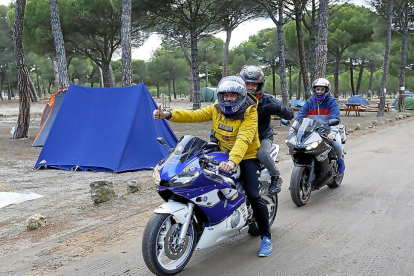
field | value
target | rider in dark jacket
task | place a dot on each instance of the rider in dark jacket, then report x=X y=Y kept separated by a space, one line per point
x=268 y=106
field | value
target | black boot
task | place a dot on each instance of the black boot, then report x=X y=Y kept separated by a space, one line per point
x=275 y=185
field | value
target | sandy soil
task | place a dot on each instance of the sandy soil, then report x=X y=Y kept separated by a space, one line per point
x=67 y=203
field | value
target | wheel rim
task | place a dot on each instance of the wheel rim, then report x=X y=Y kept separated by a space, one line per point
x=339 y=178
x=304 y=192
x=170 y=254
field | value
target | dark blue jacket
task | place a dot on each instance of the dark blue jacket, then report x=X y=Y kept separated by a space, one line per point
x=267 y=107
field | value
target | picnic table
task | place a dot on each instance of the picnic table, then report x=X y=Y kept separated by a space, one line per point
x=352 y=107
x=386 y=107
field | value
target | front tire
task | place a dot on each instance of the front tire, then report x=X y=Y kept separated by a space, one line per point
x=271 y=203
x=162 y=254
x=299 y=193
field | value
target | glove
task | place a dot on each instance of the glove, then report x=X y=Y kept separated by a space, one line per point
x=331 y=136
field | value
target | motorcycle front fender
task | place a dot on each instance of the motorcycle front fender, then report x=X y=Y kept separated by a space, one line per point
x=179 y=210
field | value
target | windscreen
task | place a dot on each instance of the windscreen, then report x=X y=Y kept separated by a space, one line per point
x=186 y=148
x=306 y=127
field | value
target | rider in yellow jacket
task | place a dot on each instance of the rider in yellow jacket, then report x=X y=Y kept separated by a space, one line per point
x=234 y=117
x=237 y=135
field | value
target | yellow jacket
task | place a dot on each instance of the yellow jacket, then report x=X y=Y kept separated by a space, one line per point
x=238 y=136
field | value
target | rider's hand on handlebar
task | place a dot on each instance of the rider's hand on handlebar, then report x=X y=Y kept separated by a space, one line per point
x=159 y=114
x=331 y=137
x=227 y=166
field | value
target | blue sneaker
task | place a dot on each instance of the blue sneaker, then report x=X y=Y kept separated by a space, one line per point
x=341 y=165
x=266 y=248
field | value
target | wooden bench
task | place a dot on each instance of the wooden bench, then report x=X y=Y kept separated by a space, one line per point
x=352 y=107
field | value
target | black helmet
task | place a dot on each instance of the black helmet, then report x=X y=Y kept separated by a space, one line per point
x=253 y=74
x=231 y=84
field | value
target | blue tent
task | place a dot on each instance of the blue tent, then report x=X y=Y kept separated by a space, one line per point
x=407 y=94
x=297 y=103
x=357 y=99
x=106 y=129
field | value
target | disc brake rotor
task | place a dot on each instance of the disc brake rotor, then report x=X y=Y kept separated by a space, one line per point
x=173 y=249
x=305 y=190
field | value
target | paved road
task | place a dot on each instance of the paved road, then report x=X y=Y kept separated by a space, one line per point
x=365 y=227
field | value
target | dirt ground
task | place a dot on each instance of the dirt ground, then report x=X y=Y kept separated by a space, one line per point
x=72 y=217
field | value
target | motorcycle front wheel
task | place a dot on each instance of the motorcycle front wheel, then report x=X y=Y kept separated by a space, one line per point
x=271 y=203
x=162 y=253
x=299 y=192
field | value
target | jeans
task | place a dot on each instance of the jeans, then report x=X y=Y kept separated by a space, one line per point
x=337 y=144
x=265 y=158
x=250 y=177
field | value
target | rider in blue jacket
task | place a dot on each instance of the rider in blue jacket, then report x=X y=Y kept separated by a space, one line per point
x=321 y=107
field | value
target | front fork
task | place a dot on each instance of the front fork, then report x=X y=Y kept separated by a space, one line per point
x=187 y=222
x=311 y=174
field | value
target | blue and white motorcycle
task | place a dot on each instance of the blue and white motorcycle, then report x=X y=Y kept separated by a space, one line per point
x=203 y=206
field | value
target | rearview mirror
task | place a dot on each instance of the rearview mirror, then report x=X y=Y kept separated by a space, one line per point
x=162 y=142
x=284 y=122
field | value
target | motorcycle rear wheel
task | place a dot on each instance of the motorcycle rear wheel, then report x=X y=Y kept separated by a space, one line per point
x=299 y=193
x=271 y=203
x=162 y=254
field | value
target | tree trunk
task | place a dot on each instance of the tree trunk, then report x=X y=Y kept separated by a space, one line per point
x=101 y=81
x=226 y=53
x=273 y=79
x=290 y=82
x=63 y=81
x=361 y=71
x=158 y=90
x=194 y=69
x=302 y=57
x=23 y=121
x=336 y=77
x=299 y=86
x=282 y=63
x=126 y=43
x=169 y=91
x=112 y=76
x=10 y=92
x=206 y=72
x=175 y=93
x=312 y=48
x=55 y=71
x=386 y=60
x=403 y=63
x=106 y=74
x=190 y=81
x=322 y=48
x=351 y=75
x=32 y=89
x=2 y=77
x=39 y=90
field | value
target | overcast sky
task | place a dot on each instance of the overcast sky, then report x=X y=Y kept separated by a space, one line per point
x=239 y=35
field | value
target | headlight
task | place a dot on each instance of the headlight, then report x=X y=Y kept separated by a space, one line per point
x=157 y=176
x=313 y=145
x=183 y=179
